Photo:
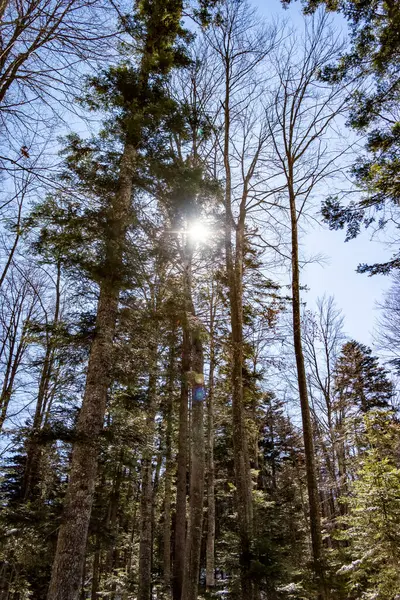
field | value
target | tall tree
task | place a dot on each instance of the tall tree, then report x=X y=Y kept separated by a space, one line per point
x=373 y=62
x=301 y=113
x=197 y=454
x=240 y=47
x=158 y=24
x=169 y=467
x=210 y=544
x=359 y=379
x=372 y=525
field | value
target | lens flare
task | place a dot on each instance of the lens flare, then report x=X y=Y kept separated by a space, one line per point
x=198 y=231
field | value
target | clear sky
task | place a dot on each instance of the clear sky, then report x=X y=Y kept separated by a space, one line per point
x=354 y=293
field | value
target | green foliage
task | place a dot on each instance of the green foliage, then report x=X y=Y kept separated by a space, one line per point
x=359 y=379
x=372 y=527
x=27 y=528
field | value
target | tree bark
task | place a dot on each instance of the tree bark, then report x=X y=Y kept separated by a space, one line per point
x=181 y=483
x=312 y=484
x=210 y=544
x=147 y=499
x=196 y=494
x=71 y=544
x=168 y=465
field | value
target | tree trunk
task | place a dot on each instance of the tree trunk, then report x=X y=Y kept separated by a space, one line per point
x=312 y=485
x=240 y=443
x=71 y=544
x=95 y=573
x=112 y=525
x=168 y=465
x=147 y=497
x=181 y=483
x=210 y=544
x=196 y=494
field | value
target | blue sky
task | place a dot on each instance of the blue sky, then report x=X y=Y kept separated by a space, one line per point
x=355 y=294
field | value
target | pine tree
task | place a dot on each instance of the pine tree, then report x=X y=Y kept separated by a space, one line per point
x=372 y=525
x=137 y=95
x=360 y=382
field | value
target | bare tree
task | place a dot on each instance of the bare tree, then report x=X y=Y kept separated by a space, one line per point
x=20 y=303
x=306 y=150
x=46 y=389
x=11 y=216
x=47 y=49
x=240 y=46
x=323 y=338
x=43 y=44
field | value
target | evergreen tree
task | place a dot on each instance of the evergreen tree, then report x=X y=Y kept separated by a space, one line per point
x=360 y=382
x=372 y=525
x=138 y=99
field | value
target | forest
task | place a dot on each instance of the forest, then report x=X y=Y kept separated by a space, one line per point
x=179 y=419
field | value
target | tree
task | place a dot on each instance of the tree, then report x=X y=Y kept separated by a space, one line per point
x=213 y=300
x=240 y=47
x=21 y=304
x=372 y=61
x=136 y=295
x=360 y=381
x=169 y=467
x=372 y=526
x=361 y=385
x=300 y=114
x=42 y=44
x=323 y=337
x=197 y=467
x=158 y=56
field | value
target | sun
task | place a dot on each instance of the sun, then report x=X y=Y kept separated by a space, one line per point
x=198 y=231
